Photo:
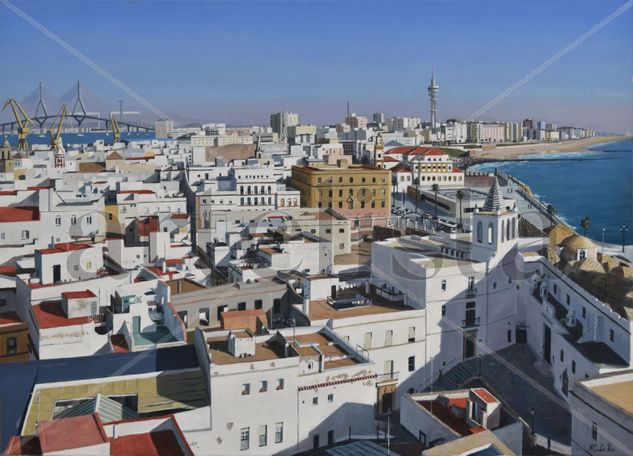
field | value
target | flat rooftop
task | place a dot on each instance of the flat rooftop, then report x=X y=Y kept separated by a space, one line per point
x=616 y=389
x=218 y=348
x=323 y=310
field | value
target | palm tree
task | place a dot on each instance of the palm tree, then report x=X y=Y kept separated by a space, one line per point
x=460 y=196
x=435 y=188
x=585 y=223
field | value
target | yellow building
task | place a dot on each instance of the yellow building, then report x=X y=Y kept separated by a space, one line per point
x=354 y=191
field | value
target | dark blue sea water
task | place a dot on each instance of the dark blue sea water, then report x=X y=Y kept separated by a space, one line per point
x=82 y=138
x=598 y=184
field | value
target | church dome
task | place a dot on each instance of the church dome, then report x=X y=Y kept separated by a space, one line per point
x=576 y=242
x=559 y=233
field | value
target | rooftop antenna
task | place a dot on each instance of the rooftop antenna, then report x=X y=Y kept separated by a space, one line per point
x=346 y=119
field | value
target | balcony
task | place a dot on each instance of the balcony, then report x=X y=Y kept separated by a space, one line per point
x=387 y=377
x=471 y=292
x=470 y=322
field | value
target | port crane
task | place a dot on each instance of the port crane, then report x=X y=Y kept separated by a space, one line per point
x=56 y=133
x=22 y=120
x=116 y=131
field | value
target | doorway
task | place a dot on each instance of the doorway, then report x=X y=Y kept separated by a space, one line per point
x=470 y=344
x=57 y=273
x=547 y=344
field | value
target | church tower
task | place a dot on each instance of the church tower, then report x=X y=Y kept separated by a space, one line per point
x=495 y=227
x=379 y=150
x=5 y=156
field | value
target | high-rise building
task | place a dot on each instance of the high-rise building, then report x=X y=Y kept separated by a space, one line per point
x=378 y=117
x=280 y=122
x=433 y=90
x=355 y=121
x=164 y=128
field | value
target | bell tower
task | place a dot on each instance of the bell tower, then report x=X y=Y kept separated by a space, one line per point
x=379 y=150
x=495 y=227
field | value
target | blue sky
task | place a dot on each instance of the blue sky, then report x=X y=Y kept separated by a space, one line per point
x=237 y=61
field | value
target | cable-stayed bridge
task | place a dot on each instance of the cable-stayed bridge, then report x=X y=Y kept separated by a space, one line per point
x=85 y=112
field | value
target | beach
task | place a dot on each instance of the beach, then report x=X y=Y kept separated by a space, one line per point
x=513 y=152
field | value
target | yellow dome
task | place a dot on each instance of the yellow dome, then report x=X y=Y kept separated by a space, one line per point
x=576 y=242
x=589 y=265
x=559 y=233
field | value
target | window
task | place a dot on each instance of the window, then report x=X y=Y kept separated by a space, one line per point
x=12 y=345
x=594 y=431
x=568 y=299
x=58 y=221
x=246 y=389
x=263 y=435
x=258 y=303
x=411 y=337
x=479 y=232
x=328 y=231
x=26 y=235
x=509 y=336
x=388 y=337
x=411 y=363
x=562 y=356
x=315 y=400
x=367 y=342
x=73 y=219
x=573 y=366
x=241 y=306
x=443 y=285
x=279 y=432
x=330 y=397
x=263 y=386
x=89 y=220
x=611 y=335
x=3 y=302
x=443 y=310
x=555 y=288
x=280 y=384
x=584 y=312
x=245 y=436
x=491 y=233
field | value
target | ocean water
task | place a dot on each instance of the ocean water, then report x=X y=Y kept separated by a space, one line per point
x=82 y=138
x=596 y=184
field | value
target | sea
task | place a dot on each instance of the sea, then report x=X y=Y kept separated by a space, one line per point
x=596 y=184
x=81 y=138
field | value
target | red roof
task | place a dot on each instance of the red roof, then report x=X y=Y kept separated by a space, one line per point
x=458 y=424
x=78 y=294
x=63 y=247
x=391 y=160
x=400 y=168
x=9 y=318
x=37 y=187
x=485 y=395
x=69 y=433
x=148 y=225
x=8 y=270
x=8 y=192
x=50 y=314
x=158 y=271
x=456 y=169
x=173 y=262
x=19 y=214
x=148 y=444
x=119 y=344
x=137 y=192
x=178 y=215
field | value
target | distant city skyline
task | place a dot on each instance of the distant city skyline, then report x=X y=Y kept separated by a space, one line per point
x=238 y=62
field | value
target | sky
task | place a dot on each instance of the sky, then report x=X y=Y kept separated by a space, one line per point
x=239 y=61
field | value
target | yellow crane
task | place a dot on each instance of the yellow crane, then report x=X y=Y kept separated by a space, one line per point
x=116 y=131
x=22 y=120
x=56 y=133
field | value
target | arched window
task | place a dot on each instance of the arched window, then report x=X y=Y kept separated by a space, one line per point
x=508 y=229
x=514 y=227
x=480 y=233
x=503 y=224
x=491 y=233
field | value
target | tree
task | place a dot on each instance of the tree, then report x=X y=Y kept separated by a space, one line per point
x=435 y=188
x=585 y=223
x=460 y=196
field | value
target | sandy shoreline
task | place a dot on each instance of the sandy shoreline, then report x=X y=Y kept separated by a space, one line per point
x=514 y=152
